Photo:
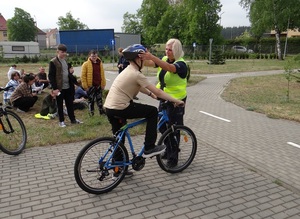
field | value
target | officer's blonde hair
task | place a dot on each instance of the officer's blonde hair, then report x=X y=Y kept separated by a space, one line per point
x=176 y=48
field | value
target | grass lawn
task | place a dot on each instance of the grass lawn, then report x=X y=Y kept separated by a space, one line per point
x=262 y=94
x=266 y=94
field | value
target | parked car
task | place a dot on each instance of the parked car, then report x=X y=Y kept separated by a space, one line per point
x=241 y=49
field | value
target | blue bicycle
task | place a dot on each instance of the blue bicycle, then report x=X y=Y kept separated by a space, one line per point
x=102 y=164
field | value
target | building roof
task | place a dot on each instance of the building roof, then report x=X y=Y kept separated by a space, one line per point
x=2 y=23
x=51 y=32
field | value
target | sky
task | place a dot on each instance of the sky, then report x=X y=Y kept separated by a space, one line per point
x=102 y=14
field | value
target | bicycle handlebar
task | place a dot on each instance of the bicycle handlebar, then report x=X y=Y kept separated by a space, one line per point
x=166 y=102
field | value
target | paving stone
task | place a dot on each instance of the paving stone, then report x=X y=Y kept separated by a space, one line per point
x=233 y=175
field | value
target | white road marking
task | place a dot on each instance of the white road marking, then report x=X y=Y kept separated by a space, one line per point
x=217 y=117
x=293 y=144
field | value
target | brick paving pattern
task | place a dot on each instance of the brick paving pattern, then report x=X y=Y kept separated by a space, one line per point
x=236 y=173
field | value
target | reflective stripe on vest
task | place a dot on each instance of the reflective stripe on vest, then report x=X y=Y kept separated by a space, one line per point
x=175 y=85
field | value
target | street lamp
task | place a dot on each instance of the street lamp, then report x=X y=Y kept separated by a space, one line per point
x=221 y=16
x=37 y=32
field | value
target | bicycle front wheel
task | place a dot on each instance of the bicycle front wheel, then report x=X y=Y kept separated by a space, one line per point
x=13 y=133
x=181 y=144
x=94 y=176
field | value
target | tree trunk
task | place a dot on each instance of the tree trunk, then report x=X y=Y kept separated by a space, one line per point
x=277 y=35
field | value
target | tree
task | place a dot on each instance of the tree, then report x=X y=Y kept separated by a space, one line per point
x=188 y=20
x=70 y=23
x=21 y=27
x=167 y=29
x=202 y=21
x=150 y=13
x=278 y=15
x=131 y=24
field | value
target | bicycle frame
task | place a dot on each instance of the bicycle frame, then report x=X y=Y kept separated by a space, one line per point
x=124 y=132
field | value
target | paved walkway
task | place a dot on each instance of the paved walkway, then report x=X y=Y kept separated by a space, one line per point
x=242 y=159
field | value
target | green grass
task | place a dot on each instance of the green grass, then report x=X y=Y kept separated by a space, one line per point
x=236 y=65
x=267 y=95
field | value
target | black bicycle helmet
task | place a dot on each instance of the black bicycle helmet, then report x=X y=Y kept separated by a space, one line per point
x=132 y=51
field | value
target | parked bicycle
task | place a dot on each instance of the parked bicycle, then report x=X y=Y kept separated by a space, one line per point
x=102 y=164
x=13 y=135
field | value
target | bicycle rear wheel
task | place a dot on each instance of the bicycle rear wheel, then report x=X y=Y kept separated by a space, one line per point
x=181 y=149
x=91 y=175
x=13 y=133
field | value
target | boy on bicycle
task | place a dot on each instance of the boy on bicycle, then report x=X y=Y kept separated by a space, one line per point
x=119 y=101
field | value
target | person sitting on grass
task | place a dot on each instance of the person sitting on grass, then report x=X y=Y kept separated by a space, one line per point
x=13 y=84
x=23 y=98
x=49 y=107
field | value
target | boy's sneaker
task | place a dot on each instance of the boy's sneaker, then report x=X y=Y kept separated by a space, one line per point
x=52 y=116
x=62 y=124
x=76 y=121
x=158 y=149
x=20 y=111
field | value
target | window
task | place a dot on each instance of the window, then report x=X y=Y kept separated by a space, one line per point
x=4 y=34
x=18 y=48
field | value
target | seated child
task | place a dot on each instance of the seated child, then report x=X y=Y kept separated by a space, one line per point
x=49 y=107
x=13 y=84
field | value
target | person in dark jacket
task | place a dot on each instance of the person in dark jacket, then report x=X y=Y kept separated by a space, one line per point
x=62 y=82
x=122 y=63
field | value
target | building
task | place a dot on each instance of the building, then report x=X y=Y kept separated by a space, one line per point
x=3 y=29
x=40 y=38
x=125 y=39
x=52 y=38
x=290 y=33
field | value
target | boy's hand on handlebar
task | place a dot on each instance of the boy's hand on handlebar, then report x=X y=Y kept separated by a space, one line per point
x=181 y=104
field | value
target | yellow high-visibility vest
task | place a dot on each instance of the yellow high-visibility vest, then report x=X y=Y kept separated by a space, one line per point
x=175 y=86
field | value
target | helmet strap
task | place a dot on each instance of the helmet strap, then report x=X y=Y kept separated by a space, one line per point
x=139 y=66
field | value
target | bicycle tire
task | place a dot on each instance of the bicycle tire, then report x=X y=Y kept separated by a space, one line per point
x=89 y=174
x=185 y=140
x=12 y=142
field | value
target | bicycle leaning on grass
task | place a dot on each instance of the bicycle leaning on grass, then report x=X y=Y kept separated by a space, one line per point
x=102 y=164
x=13 y=133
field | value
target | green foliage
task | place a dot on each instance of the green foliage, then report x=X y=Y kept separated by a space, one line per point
x=201 y=21
x=70 y=23
x=290 y=73
x=35 y=59
x=188 y=20
x=150 y=14
x=21 y=27
x=278 y=15
x=217 y=58
x=131 y=24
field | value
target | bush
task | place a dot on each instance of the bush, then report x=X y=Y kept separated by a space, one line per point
x=16 y=60
x=25 y=59
x=34 y=59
